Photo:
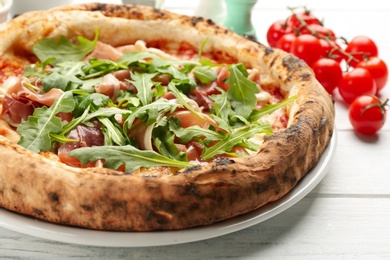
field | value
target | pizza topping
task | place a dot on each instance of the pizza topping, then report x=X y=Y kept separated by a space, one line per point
x=21 y=88
x=83 y=136
x=140 y=108
x=14 y=111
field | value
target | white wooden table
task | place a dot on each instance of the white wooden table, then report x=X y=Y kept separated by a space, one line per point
x=347 y=216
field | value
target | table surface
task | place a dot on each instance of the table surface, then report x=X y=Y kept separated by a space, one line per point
x=346 y=216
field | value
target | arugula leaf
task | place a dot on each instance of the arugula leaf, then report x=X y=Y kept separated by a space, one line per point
x=106 y=112
x=130 y=58
x=160 y=106
x=127 y=99
x=234 y=139
x=73 y=124
x=35 y=132
x=163 y=140
x=38 y=69
x=269 y=109
x=86 y=101
x=205 y=74
x=144 y=84
x=186 y=134
x=131 y=157
x=222 y=109
x=96 y=68
x=182 y=98
x=113 y=132
x=63 y=50
x=151 y=63
x=241 y=91
x=62 y=76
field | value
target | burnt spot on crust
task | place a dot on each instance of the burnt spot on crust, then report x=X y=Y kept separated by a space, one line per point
x=99 y=7
x=87 y=207
x=195 y=20
x=250 y=37
x=54 y=197
x=260 y=187
x=289 y=177
x=194 y=206
x=38 y=212
x=305 y=76
x=268 y=51
x=292 y=63
x=164 y=205
x=301 y=160
x=210 y=22
x=223 y=161
x=191 y=189
x=273 y=62
x=192 y=168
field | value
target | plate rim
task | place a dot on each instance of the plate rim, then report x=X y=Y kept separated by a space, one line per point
x=74 y=235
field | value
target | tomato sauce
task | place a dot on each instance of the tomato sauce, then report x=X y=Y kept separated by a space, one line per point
x=9 y=68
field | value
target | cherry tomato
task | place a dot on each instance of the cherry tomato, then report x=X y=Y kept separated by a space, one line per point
x=328 y=72
x=277 y=30
x=294 y=22
x=286 y=41
x=356 y=83
x=361 y=47
x=307 y=47
x=318 y=29
x=330 y=49
x=367 y=114
x=378 y=70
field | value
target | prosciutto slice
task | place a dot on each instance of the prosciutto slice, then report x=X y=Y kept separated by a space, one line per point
x=15 y=87
x=84 y=136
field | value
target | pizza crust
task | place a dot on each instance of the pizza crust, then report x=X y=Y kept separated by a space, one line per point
x=110 y=200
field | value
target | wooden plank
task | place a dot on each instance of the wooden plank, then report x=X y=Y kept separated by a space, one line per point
x=315 y=228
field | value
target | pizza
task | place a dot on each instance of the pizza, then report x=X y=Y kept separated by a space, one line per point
x=130 y=118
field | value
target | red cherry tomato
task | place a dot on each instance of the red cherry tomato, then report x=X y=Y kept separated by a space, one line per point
x=294 y=22
x=307 y=47
x=331 y=50
x=367 y=114
x=328 y=72
x=277 y=30
x=318 y=29
x=286 y=41
x=356 y=83
x=378 y=70
x=361 y=47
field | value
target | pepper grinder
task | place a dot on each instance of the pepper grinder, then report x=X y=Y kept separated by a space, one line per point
x=239 y=17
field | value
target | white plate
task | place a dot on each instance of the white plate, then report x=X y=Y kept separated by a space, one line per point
x=41 y=229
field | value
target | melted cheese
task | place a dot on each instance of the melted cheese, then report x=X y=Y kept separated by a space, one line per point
x=7 y=131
